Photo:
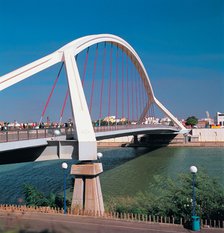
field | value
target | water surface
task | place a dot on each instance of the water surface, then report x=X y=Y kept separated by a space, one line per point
x=126 y=170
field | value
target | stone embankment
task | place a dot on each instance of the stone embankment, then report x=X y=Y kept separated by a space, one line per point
x=151 y=140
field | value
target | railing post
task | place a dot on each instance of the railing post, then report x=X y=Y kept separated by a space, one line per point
x=7 y=136
x=17 y=135
x=28 y=136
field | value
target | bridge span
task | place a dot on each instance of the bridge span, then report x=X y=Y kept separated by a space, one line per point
x=51 y=144
x=21 y=139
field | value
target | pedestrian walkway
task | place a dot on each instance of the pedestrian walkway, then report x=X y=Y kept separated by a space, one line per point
x=59 y=223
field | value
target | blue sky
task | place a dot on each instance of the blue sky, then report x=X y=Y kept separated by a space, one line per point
x=181 y=44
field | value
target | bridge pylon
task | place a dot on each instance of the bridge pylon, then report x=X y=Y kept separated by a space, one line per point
x=87 y=193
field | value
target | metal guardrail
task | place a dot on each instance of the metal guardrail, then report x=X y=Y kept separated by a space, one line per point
x=123 y=127
x=27 y=134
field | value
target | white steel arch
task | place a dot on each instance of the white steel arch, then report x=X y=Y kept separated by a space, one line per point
x=87 y=148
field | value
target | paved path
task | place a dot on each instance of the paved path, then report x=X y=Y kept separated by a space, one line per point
x=52 y=223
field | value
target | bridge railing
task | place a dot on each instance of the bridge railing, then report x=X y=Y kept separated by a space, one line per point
x=128 y=126
x=27 y=134
x=132 y=217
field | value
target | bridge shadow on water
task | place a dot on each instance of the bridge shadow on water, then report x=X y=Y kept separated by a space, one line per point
x=21 y=155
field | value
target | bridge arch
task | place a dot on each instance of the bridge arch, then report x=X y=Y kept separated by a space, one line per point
x=82 y=43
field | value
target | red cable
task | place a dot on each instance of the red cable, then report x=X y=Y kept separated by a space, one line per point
x=139 y=92
x=52 y=90
x=142 y=91
x=146 y=98
x=64 y=104
x=117 y=83
x=136 y=95
x=109 y=91
x=122 y=84
x=132 y=94
x=85 y=65
x=102 y=82
x=128 y=102
x=93 y=80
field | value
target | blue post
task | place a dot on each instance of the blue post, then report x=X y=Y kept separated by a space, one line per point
x=64 y=191
x=195 y=219
x=194 y=199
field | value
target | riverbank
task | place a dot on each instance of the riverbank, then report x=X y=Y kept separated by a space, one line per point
x=188 y=144
x=198 y=144
x=158 y=141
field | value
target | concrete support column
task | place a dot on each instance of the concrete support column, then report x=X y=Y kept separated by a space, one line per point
x=87 y=192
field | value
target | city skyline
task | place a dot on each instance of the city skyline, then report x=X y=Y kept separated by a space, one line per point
x=180 y=44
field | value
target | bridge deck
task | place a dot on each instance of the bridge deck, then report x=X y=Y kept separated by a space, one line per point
x=113 y=132
x=19 y=139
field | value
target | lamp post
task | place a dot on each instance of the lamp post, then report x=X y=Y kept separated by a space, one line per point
x=99 y=156
x=195 y=219
x=64 y=167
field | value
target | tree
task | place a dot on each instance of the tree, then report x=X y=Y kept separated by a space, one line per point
x=33 y=197
x=192 y=120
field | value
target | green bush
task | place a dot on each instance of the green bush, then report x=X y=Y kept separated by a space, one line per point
x=33 y=197
x=174 y=198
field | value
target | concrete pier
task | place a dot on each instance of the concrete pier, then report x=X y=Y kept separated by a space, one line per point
x=87 y=192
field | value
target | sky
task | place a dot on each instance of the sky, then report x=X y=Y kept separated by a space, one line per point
x=181 y=44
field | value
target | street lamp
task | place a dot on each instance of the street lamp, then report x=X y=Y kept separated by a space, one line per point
x=57 y=132
x=64 y=167
x=195 y=219
x=99 y=156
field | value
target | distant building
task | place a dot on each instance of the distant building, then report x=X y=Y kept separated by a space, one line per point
x=111 y=119
x=203 y=123
x=165 y=121
x=220 y=119
x=151 y=120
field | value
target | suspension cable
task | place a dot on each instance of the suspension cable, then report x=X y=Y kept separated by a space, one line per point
x=102 y=81
x=127 y=87
x=122 y=84
x=132 y=94
x=139 y=93
x=110 y=80
x=136 y=95
x=52 y=90
x=117 y=83
x=63 y=107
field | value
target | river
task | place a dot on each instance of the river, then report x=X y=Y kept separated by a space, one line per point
x=126 y=170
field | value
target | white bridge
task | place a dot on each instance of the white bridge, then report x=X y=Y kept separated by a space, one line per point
x=127 y=79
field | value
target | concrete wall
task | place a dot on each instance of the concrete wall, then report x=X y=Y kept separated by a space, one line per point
x=110 y=142
x=59 y=150
x=208 y=135
x=54 y=149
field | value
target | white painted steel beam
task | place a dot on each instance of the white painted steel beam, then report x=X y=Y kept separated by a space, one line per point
x=29 y=70
x=84 y=133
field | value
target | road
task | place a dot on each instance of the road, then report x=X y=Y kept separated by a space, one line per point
x=56 y=223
